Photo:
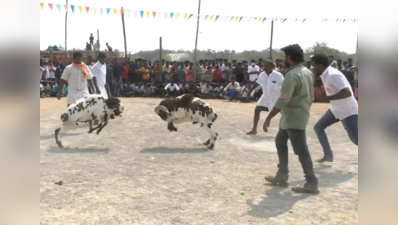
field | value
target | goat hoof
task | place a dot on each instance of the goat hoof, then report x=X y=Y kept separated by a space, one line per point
x=206 y=143
x=211 y=147
x=60 y=145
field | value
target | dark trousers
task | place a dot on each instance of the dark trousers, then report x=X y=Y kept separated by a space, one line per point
x=298 y=138
x=350 y=125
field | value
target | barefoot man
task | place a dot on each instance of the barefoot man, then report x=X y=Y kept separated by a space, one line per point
x=271 y=82
x=76 y=76
x=99 y=76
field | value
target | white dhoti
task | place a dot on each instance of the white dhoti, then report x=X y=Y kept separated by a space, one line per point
x=103 y=91
x=265 y=101
x=73 y=95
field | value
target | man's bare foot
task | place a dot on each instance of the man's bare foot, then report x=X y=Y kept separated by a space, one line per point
x=252 y=132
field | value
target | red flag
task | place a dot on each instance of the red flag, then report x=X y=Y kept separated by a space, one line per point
x=87 y=8
x=206 y=17
x=51 y=6
x=122 y=11
x=232 y=18
x=154 y=14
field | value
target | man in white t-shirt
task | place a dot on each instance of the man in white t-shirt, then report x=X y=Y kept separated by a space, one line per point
x=207 y=90
x=99 y=75
x=171 y=89
x=344 y=106
x=253 y=71
x=232 y=89
x=271 y=82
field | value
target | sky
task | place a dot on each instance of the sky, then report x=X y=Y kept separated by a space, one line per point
x=143 y=34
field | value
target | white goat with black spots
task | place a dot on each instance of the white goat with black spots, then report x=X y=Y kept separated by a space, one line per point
x=188 y=108
x=88 y=109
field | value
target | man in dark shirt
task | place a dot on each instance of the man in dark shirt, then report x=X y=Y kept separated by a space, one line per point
x=92 y=41
x=238 y=72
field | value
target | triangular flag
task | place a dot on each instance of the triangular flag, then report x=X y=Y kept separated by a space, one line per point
x=255 y=18
x=304 y=20
x=185 y=16
x=80 y=8
x=301 y=20
x=171 y=15
x=240 y=19
x=41 y=5
x=87 y=9
x=221 y=17
x=211 y=17
x=66 y=8
x=343 y=21
x=264 y=19
x=276 y=20
x=217 y=18
x=148 y=13
x=355 y=20
x=337 y=20
x=58 y=7
x=250 y=19
x=236 y=18
x=259 y=19
x=101 y=11
x=178 y=15
x=73 y=8
x=154 y=14
x=128 y=12
x=206 y=17
x=122 y=12
x=246 y=18
x=296 y=20
x=142 y=14
x=232 y=18
x=107 y=11
x=165 y=15
x=115 y=11
x=326 y=20
x=284 y=20
x=190 y=16
x=50 y=5
x=95 y=10
x=159 y=14
x=135 y=13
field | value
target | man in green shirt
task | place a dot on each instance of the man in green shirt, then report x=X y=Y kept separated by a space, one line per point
x=297 y=94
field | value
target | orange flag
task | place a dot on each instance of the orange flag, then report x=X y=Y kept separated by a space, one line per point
x=41 y=5
x=154 y=14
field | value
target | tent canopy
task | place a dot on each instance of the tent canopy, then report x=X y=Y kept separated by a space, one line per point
x=55 y=48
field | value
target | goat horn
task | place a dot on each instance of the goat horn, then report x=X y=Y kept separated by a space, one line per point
x=161 y=108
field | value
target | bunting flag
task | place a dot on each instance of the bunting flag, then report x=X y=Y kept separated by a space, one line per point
x=188 y=16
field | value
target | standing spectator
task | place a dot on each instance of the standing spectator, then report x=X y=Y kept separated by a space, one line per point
x=297 y=94
x=239 y=73
x=344 y=106
x=340 y=64
x=189 y=73
x=173 y=71
x=253 y=71
x=52 y=71
x=117 y=79
x=171 y=89
x=125 y=76
x=97 y=46
x=145 y=73
x=78 y=78
x=99 y=75
x=91 y=40
x=166 y=69
x=217 y=75
x=181 y=73
x=109 y=76
x=333 y=62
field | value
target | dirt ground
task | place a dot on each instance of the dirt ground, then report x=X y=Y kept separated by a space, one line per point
x=137 y=172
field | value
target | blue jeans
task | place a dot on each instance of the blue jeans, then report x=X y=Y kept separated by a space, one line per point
x=350 y=124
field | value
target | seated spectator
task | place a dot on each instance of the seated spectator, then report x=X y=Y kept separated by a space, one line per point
x=207 y=90
x=218 y=91
x=190 y=88
x=232 y=90
x=42 y=95
x=128 y=90
x=171 y=89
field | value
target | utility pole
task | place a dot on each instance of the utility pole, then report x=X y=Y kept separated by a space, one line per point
x=66 y=31
x=160 y=68
x=124 y=34
x=272 y=36
x=196 y=43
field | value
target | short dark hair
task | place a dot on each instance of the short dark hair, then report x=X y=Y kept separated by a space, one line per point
x=321 y=59
x=295 y=52
x=331 y=56
x=269 y=62
x=101 y=55
x=77 y=54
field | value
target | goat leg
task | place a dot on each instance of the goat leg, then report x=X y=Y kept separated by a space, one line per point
x=93 y=129
x=57 y=138
x=102 y=127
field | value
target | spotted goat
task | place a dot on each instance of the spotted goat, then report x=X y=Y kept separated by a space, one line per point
x=89 y=109
x=188 y=108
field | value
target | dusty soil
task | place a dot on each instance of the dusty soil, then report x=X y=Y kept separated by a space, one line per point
x=137 y=172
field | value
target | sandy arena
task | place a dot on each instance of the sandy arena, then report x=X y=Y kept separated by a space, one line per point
x=137 y=172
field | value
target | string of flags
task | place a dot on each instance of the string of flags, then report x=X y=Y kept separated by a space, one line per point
x=141 y=14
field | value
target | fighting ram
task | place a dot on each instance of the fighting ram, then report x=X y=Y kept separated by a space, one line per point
x=89 y=109
x=188 y=108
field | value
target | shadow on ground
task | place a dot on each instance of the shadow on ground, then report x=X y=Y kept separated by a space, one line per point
x=52 y=136
x=65 y=150
x=165 y=150
x=277 y=202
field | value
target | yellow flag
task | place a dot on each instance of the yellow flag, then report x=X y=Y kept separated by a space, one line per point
x=301 y=20
x=41 y=5
x=211 y=17
x=259 y=19
x=147 y=13
x=186 y=15
x=80 y=9
x=115 y=11
x=236 y=18
x=178 y=15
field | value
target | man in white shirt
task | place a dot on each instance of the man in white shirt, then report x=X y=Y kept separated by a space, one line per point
x=99 y=75
x=78 y=77
x=271 y=82
x=207 y=90
x=171 y=89
x=344 y=106
x=232 y=89
x=253 y=71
